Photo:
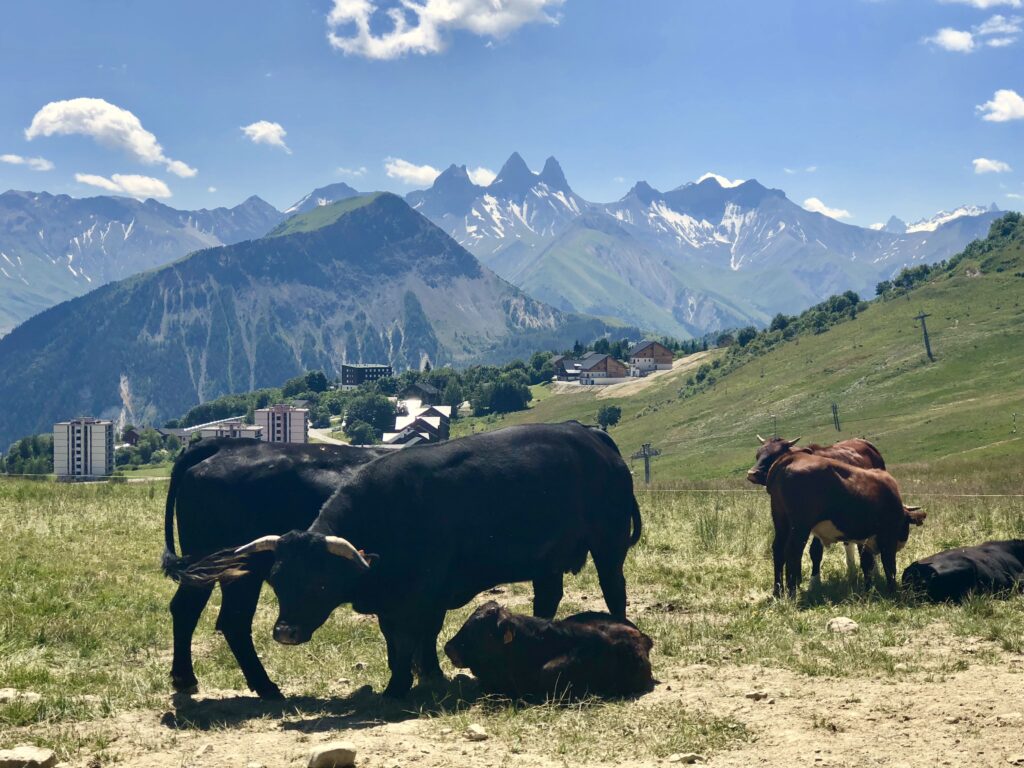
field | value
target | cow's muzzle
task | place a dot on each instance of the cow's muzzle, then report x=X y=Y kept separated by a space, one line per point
x=286 y=634
x=755 y=477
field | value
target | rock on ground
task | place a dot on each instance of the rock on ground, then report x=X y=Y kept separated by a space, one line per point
x=475 y=733
x=335 y=754
x=842 y=625
x=11 y=695
x=27 y=757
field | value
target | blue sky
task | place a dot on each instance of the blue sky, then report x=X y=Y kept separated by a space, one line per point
x=873 y=107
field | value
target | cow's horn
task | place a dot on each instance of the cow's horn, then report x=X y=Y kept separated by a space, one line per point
x=341 y=547
x=262 y=544
x=794 y=441
x=760 y=439
x=910 y=509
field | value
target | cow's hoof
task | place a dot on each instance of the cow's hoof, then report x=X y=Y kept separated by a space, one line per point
x=186 y=687
x=273 y=693
x=397 y=690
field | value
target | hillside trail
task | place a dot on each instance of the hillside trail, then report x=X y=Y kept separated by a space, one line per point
x=973 y=717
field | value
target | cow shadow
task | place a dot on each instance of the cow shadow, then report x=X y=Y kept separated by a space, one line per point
x=844 y=591
x=363 y=708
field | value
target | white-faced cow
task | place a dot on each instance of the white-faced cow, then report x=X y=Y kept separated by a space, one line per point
x=995 y=567
x=445 y=522
x=835 y=502
x=856 y=452
x=522 y=656
x=227 y=492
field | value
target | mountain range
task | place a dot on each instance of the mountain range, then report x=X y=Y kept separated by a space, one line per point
x=702 y=256
x=366 y=279
x=694 y=259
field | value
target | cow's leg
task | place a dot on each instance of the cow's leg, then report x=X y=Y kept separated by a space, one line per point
x=613 y=583
x=186 y=607
x=795 y=544
x=887 y=552
x=817 y=551
x=851 y=560
x=779 y=557
x=547 y=594
x=426 y=663
x=235 y=622
x=867 y=566
x=401 y=637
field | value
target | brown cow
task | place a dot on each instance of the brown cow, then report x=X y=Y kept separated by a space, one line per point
x=835 y=502
x=857 y=452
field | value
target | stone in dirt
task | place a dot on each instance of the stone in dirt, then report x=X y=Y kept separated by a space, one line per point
x=756 y=695
x=842 y=625
x=686 y=758
x=335 y=754
x=12 y=695
x=27 y=757
x=475 y=733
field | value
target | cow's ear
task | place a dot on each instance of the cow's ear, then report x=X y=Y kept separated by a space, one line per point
x=507 y=631
x=371 y=558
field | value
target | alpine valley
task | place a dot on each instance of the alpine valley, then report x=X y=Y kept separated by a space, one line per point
x=363 y=279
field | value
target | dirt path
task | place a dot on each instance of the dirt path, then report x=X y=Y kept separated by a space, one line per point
x=974 y=717
x=630 y=388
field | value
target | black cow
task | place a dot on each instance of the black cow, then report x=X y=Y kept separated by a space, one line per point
x=521 y=656
x=990 y=568
x=227 y=492
x=446 y=522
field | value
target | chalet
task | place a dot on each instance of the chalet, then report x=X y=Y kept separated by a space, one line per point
x=647 y=356
x=598 y=368
x=232 y=429
x=131 y=436
x=566 y=369
x=419 y=422
x=425 y=391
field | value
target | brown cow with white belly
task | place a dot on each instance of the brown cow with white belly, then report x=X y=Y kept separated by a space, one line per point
x=835 y=502
x=857 y=452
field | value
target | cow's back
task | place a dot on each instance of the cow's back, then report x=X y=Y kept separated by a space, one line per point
x=857 y=452
x=249 y=488
x=992 y=567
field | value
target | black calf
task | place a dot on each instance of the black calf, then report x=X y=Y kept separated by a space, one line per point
x=992 y=567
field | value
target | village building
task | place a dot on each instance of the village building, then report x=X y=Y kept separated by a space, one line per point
x=647 y=356
x=598 y=368
x=354 y=374
x=233 y=429
x=83 y=447
x=566 y=369
x=419 y=422
x=283 y=424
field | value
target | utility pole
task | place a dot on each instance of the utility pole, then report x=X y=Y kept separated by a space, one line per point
x=775 y=425
x=924 y=330
x=835 y=417
x=646 y=453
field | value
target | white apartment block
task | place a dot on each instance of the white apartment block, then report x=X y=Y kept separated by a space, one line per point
x=283 y=424
x=233 y=429
x=83 y=447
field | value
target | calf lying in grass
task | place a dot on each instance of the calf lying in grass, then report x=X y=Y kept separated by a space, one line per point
x=521 y=656
x=989 y=568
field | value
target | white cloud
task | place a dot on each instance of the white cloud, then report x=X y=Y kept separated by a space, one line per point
x=35 y=163
x=408 y=173
x=266 y=132
x=422 y=26
x=128 y=184
x=986 y=165
x=107 y=124
x=619 y=179
x=1014 y=196
x=817 y=206
x=958 y=40
x=794 y=171
x=353 y=172
x=790 y=171
x=211 y=189
x=720 y=179
x=878 y=226
x=986 y=4
x=481 y=176
x=1005 y=105
x=962 y=41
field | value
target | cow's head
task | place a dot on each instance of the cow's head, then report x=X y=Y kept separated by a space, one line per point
x=911 y=516
x=483 y=637
x=771 y=450
x=312 y=575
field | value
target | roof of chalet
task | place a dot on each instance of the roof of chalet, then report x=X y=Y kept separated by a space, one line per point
x=592 y=360
x=427 y=387
x=640 y=346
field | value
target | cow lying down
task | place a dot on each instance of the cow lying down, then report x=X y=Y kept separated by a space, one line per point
x=521 y=656
x=992 y=567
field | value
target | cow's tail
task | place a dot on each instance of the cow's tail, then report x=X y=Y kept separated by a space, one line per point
x=635 y=523
x=172 y=565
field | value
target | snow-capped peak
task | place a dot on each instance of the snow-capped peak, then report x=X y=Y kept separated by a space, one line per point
x=944 y=217
x=722 y=181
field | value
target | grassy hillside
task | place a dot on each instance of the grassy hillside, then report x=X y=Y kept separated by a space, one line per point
x=322 y=216
x=950 y=417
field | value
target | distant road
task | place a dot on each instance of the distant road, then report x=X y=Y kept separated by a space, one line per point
x=324 y=436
